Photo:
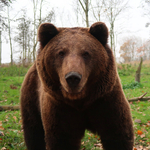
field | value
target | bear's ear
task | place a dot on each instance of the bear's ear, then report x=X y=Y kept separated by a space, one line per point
x=46 y=32
x=100 y=31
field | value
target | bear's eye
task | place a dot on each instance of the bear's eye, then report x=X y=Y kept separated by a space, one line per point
x=61 y=54
x=86 y=55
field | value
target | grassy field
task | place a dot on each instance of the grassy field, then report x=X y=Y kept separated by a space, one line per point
x=11 y=134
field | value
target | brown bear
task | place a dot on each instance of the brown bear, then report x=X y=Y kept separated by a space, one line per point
x=72 y=86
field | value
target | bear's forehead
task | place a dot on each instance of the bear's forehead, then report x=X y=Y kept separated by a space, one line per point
x=74 y=37
x=74 y=29
x=74 y=34
x=71 y=32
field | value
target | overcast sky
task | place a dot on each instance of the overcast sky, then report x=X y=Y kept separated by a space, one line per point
x=130 y=23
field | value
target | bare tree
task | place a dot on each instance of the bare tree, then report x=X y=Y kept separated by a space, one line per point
x=147 y=49
x=24 y=35
x=131 y=48
x=35 y=3
x=23 y=38
x=37 y=20
x=85 y=7
x=3 y=3
x=98 y=9
x=145 y=4
x=10 y=39
x=113 y=8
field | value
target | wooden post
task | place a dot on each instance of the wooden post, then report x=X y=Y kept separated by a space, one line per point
x=138 y=72
x=0 y=48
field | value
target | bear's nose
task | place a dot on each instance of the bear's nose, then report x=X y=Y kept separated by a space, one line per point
x=73 y=79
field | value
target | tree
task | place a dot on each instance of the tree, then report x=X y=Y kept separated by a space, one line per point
x=129 y=49
x=3 y=3
x=98 y=9
x=124 y=51
x=23 y=38
x=35 y=4
x=85 y=7
x=144 y=50
x=113 y=8
x=37 y=20
x=147 y=49
x=146 y=5
x=9 y=34
x=26 y=34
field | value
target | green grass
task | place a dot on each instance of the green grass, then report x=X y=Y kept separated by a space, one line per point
x=11 y=134
x=8 y=95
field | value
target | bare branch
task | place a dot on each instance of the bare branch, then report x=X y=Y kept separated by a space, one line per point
x=82 y=6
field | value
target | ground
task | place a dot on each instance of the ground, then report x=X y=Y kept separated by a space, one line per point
x=11 y=135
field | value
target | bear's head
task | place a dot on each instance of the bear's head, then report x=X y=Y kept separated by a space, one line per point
x=75 y=62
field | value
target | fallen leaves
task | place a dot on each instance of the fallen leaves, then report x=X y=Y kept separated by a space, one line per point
x=1 y=127
x=98 y=145
x=139 y=132
x=13 y=87
x=141 y=148
x=1 y=133
x=142 y=135
x=11 y=135
x=3 y=148
x=148 y=124
x=137 y=120
x=15 y=118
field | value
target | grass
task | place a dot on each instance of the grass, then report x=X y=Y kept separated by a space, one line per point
x=11 y=134
x=9 y=90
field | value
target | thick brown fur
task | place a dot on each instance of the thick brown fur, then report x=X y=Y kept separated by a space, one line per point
x=55 y=115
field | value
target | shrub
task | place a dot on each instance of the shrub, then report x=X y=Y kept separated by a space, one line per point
x=125 y=69
x=132 y=85
x=13 y=71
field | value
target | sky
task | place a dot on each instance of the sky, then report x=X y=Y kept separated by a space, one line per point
x=131 y=23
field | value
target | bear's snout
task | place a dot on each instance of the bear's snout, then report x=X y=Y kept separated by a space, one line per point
x=73 y=79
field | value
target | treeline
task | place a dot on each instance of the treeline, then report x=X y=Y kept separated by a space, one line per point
x=134 y=48
x=20 y=30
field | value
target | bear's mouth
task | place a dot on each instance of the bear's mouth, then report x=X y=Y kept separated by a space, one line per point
x=73 y=94
x=75 y=90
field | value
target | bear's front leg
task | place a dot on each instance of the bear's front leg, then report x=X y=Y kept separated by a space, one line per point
x=111 y=119
x=63 y=126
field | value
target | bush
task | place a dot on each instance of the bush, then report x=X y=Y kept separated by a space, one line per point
x=13 y=71
x=125 y=69
x=132 y=85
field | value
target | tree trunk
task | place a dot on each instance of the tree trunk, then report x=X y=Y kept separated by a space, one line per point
x=0 y=49
x=8 y=107
x=35 y=3
x=86 y=12
x=34 y=50
x=34 y=10
x=138 y=72
x=23 y=51
x=10 y=42
x=136 y=99
x=29 y=52
x=112 y=36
